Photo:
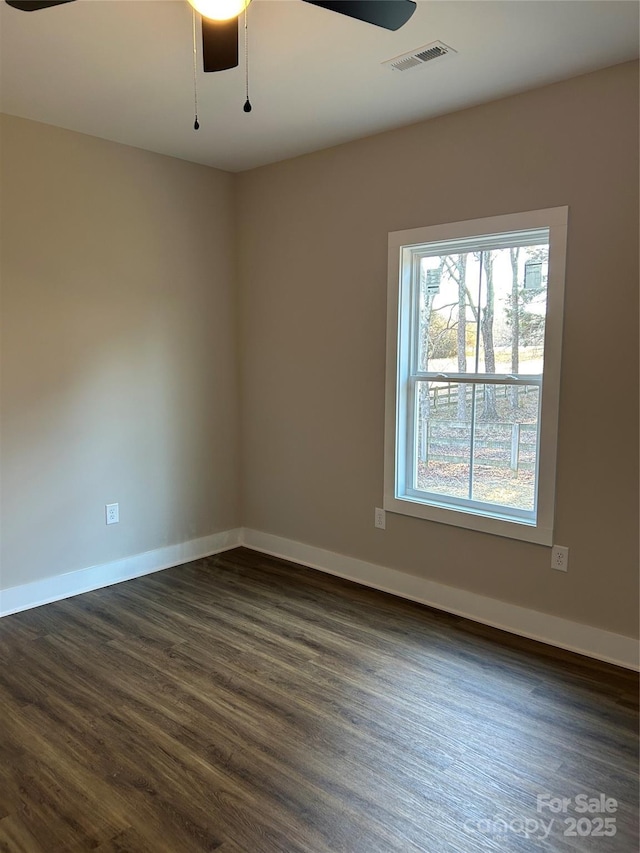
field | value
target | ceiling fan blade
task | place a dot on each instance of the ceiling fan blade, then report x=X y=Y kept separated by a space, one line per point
x=219 y=44
x=390 y=14
x=34 y=5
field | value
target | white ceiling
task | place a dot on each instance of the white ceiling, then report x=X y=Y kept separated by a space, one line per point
x=122 y=70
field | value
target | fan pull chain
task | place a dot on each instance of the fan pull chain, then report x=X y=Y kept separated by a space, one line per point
x=247 y=104
x=196 y=123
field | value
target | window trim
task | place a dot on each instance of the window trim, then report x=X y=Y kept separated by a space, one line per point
x=399 y=281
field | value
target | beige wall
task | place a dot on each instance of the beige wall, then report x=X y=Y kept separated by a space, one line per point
x=312 y=260
x=118 y=351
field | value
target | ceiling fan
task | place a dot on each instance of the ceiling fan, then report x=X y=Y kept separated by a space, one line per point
x=220 y=21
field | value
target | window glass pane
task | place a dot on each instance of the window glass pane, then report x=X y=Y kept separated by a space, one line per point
x=513 y=307
x=505 y=445
x=447 y=328
x=443 y=451
x=483 y=312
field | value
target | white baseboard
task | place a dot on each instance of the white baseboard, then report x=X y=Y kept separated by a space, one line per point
x=29 y=595
x=573 y=636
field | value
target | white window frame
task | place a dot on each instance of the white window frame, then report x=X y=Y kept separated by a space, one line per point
x=398 y=498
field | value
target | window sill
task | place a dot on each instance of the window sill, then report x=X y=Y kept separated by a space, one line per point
x=508 y=528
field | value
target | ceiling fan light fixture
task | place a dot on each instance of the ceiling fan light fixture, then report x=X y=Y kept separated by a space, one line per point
x=220 y=10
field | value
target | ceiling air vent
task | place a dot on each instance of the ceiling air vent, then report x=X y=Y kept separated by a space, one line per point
x=435 y=50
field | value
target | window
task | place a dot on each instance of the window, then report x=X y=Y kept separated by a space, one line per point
x=473 y=372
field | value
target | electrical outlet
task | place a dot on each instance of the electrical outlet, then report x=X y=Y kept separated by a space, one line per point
x=112 y=513
x=560 y=558
x=380 y=519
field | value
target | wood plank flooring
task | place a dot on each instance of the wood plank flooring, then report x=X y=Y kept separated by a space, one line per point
x=244 y=704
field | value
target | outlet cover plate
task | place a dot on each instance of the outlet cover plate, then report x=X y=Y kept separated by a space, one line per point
x=560 y=558
x=112 y=513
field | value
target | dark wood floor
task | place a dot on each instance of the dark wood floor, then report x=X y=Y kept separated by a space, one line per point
x=247 y=705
